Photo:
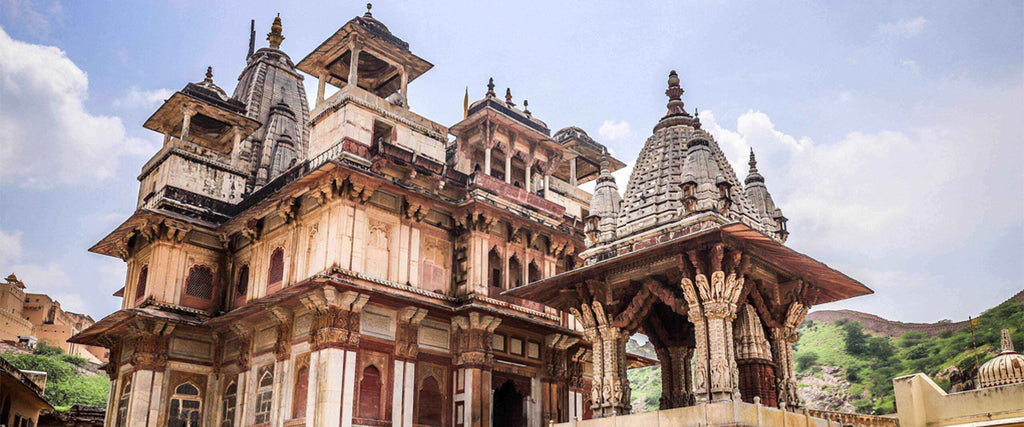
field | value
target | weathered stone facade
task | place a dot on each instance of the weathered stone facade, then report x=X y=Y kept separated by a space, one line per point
x=345 y=264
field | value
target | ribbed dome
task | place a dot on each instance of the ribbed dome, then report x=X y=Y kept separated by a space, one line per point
x=1006 y=368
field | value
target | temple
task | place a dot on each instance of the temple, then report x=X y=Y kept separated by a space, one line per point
x=352 y=263
x=343 y=263
x=695 y=260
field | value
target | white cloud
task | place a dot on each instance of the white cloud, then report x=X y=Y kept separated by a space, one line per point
x=10 y=246
x=885 y=204
x=143 y=99
x=47 y=137
x=907 y=28
x=612 y=130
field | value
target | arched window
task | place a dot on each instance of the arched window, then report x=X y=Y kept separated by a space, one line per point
x=122 y=405
x=369 y=393
x=242 y=286
x=140 y=284
x=431 y=403
x=494 y=265
x=186 y=407
x=275 y=274
x=230 y=403
x=200 y=282
x=301 y=390
x=533 y=272
x=515 y=272
x=264 y=397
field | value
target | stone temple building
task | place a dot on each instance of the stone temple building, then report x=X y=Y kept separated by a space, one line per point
x=352 y=263
x=342 y=263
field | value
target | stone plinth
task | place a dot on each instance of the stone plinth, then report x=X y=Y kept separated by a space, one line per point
x=724 y=413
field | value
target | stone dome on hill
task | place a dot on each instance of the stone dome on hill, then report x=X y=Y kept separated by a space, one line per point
x=1006 y=368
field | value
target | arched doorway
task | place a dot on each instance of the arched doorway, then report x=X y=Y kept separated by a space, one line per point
x=508 y=406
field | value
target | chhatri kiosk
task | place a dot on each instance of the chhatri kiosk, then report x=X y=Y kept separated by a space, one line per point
x=695 y=259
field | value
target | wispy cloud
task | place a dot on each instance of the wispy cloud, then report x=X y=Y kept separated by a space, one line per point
x=139 y=98
x=38 y=17
x=909 y=27
x=886 y=204
x=612 y=130
x=45 y=125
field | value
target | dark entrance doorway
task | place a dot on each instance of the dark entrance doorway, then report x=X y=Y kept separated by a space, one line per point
x=508 y=406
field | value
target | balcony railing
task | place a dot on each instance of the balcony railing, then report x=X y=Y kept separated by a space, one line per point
x=516 y=195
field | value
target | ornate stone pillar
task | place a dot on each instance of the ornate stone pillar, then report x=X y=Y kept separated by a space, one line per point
x=508 y=164
x=406 y=350
x=334 y=338
x=611 y=392
x=754 y=358
x=555 y=393
x=148 y=362
x=474 y=361
x=676 y=377
x=712 y=310
x=782 y=346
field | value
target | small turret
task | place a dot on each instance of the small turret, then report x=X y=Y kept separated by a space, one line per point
x=757 y=193
x=604 y=208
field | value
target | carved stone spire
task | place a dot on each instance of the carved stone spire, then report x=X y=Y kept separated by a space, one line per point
x=490 y=87
x=757 y=193
x=604 y=208
x=274 y=36
x=508 y=97
x=676 y=113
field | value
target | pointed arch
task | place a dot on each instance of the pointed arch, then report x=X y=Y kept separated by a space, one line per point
x=370 y=393
x=515 y=272
x=275 y=271
x=122 y=404
x=494 y=268
x=186 y=406
x=229 y=405
x=140 y=284
x=533 y=272
x=430 y=402
x=264 y=395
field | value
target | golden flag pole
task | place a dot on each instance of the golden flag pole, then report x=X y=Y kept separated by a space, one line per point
x=465 y=104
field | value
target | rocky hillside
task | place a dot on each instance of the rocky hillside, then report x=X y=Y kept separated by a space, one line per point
x=851 y=361
x=846 y=360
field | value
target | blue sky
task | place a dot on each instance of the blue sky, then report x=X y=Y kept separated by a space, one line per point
x=889 y=133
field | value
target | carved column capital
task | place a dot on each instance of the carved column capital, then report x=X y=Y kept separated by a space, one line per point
x=335 y=317
x=473 y=339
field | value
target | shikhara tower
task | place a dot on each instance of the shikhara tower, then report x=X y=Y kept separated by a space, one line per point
x=695 y=260
x=351 y=264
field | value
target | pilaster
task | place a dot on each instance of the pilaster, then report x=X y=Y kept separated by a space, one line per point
x=473 y=338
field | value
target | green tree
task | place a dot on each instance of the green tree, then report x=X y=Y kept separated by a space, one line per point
x=805 y=360
x=854 y=338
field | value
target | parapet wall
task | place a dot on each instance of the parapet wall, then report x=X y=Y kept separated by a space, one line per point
x=724 y=413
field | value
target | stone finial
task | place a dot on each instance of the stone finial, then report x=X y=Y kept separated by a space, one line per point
x=490 y=87
x=274 y=36
x=209 y=74
x=508 y=97
x=368 y=14
x=674 y=93
x=676 y=114
x=1006 y=342
x=526 y=108
x=753 y=161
